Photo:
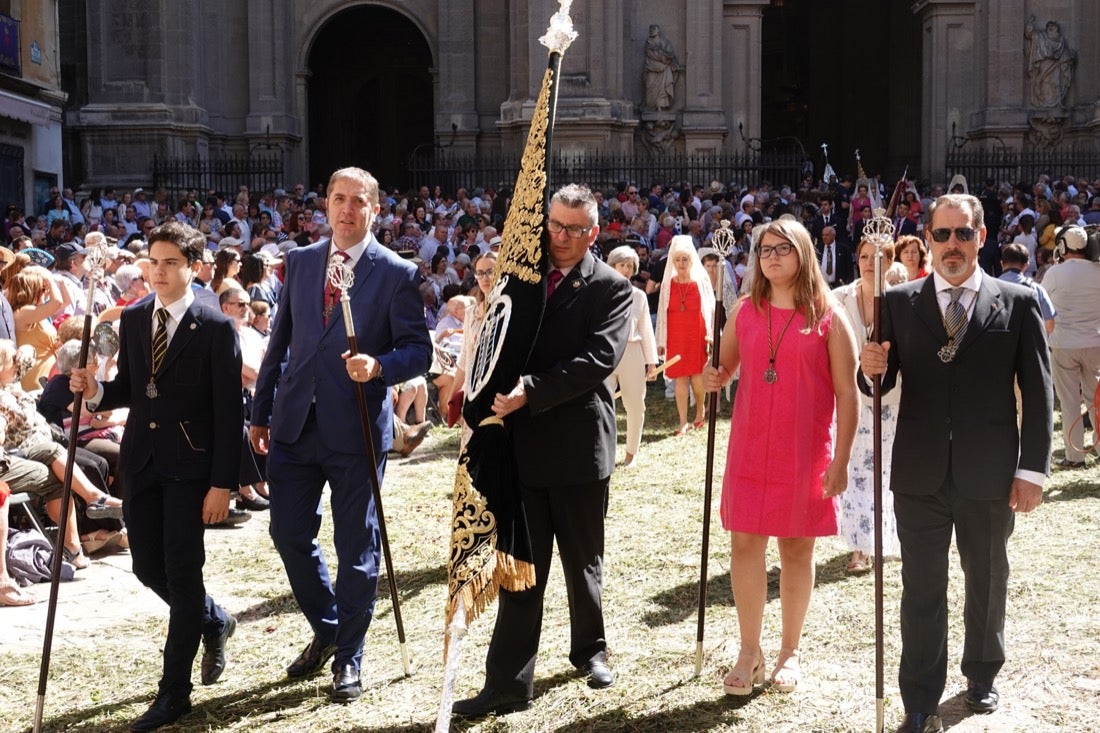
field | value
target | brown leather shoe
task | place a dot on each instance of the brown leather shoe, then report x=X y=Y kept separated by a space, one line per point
x=414 y=436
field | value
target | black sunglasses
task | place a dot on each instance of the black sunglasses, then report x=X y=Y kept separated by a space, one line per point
x=963 y=234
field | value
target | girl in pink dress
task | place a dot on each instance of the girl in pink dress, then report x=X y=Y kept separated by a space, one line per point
x=783 y=470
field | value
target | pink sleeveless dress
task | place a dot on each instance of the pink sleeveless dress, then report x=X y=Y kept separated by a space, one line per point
x=780 y=436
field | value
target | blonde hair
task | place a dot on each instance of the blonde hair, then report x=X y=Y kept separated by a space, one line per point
x=811 y=292
x=27 y=287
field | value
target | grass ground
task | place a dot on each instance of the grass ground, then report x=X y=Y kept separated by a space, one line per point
x=107 y=652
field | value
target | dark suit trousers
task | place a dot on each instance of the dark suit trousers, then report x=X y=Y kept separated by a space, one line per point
x=164 y=521
x=297 y=474
x=575 y=516
x=982 y=529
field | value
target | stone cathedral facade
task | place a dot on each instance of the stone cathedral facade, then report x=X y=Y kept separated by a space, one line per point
x=371 y=82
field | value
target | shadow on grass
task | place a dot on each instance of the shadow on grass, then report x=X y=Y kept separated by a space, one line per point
x=703 y=715
x=214 y=713
x=1084 y=487
x=682 y=601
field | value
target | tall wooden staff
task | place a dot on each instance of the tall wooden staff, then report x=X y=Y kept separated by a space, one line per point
x=879 y=231
x=342 y=277
x=95 y=258
x=723 y=243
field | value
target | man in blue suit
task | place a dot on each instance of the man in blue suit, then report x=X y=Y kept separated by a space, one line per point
x=179 y=372
x=305 y=418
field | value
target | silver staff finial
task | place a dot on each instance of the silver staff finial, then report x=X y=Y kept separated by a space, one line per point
x=340 y=275
x=95 y=257
x=879 y=230
x=723 y=241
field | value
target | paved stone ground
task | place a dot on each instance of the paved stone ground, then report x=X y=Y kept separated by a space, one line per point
x=107 y=592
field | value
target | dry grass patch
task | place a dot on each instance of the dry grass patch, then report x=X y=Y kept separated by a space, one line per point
x=107 y=655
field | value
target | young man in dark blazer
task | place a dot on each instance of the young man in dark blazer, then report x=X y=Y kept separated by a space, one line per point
x=961 y=340
x=562 y=419
x=179 y=372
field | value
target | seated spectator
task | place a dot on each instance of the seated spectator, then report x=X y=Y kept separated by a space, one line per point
x=131 y=284
x=35 y=298
x=407 y=438
x=99 y=432
x=10 y=593
x=23 y=428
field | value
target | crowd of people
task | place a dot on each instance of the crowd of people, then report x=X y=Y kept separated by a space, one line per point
x=797 y=293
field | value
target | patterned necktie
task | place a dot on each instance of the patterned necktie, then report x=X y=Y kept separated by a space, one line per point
x=160 y=340
x=829 y=260
x=332 y=293
x=954 y=317
x=552 y=281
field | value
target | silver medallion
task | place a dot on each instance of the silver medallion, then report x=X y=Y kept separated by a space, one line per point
x=770 y=376
x=947 y=353
x=151 y=390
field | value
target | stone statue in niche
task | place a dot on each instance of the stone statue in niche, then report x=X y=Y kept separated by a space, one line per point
x=661 y=66
x=1050 y=64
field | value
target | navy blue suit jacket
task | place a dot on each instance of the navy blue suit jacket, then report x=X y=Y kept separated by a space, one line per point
x=192 y=430
x=389 y=325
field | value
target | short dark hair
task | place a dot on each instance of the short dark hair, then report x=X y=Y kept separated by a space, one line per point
x=1015 y=254
x=190 y=241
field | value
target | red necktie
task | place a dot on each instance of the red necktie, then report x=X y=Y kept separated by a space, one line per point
x=332 y=293
x=552 y=281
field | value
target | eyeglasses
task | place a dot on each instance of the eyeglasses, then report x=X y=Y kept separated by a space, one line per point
x=963 y=234
x=766 y=251
x=484 y=274
x=575 y=231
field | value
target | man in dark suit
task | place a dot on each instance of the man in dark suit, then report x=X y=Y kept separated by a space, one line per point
x=179 y=372
x=961 y=339
x=903 y=225
x=305 y=417
x=835 y=259
x=562 y=403
x=826 y=217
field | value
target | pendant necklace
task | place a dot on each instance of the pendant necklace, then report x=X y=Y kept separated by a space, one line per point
x=682 y=294
x=770 y=375
x=948 y=351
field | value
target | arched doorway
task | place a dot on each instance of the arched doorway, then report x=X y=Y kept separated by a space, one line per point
x=847 y=73
x=370 y=94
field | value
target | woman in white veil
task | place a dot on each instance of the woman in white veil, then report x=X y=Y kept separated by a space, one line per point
x=685 y=316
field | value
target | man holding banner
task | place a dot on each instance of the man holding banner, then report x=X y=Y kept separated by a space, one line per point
x=562 y=422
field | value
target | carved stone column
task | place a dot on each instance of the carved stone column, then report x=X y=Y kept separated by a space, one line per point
x=949 y=73
x=272 y=118
x=456 y=115
x=703 y=121
x=742 y=68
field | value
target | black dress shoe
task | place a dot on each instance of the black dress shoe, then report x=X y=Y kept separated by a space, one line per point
x=921 y=723
x=236 y=516
x=165 y=710
x=213 y=652
x=982 y=697
x=312 y=659
x=255 y=504
x=599 y=674
x=346 y=686
x=488 y=702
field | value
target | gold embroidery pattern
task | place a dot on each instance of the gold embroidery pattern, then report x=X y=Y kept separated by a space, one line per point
x=521 y=246
x=475 y=569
